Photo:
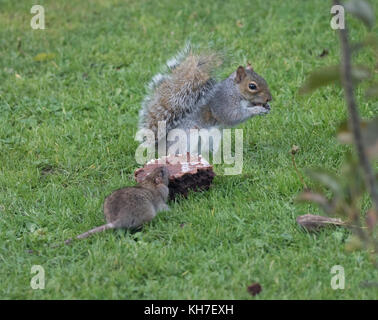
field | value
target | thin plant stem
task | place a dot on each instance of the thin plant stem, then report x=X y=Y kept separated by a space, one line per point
x=354 y=118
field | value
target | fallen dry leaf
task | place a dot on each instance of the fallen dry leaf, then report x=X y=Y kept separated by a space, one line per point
x=312 y=222
x=371 y=219
x=254 y=289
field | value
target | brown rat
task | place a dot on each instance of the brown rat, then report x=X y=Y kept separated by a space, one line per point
x=130 y=207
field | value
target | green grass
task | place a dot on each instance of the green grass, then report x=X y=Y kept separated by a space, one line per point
x=67 y=130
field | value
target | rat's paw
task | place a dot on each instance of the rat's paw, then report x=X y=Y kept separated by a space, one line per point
x=164 y=207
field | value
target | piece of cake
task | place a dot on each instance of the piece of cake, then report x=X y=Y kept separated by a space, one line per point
x=186 y=173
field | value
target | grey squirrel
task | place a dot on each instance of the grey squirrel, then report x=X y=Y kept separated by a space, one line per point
x=130 y=207
x=188 y=97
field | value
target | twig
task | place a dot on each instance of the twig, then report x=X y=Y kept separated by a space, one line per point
x=354 y=118
x=294 y=150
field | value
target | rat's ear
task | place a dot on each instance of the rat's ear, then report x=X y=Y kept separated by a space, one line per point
x=158 y=180
x=240 y=74
x=159 y=176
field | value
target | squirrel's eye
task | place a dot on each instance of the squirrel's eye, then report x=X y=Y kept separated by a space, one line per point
x=252 y=86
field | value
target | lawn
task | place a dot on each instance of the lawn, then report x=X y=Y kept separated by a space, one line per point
x=67 y=127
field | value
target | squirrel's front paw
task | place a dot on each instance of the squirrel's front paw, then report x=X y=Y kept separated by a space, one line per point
x=259 y=110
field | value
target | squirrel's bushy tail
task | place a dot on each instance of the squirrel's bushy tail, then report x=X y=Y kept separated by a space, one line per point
x=177 y=91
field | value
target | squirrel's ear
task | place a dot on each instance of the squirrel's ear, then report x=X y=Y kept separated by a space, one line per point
x=249 y=67
x=240 y=74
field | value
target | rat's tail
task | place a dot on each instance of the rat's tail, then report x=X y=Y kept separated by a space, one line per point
x=92 y=231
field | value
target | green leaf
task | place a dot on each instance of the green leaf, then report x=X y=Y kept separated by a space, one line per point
x=369 y=131
x=370 y=40
x=351 y=172
x=331 y=74
x=370 y=136
x=354 y=243
x=321 y=77
x=327 y=179
x=318 y=199
x=360 y=73
x=371 y=219
x=372 y=92
x=343 y=133
x=44 y=57
x=362 y=10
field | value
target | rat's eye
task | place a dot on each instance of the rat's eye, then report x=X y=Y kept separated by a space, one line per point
x=252 y=86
